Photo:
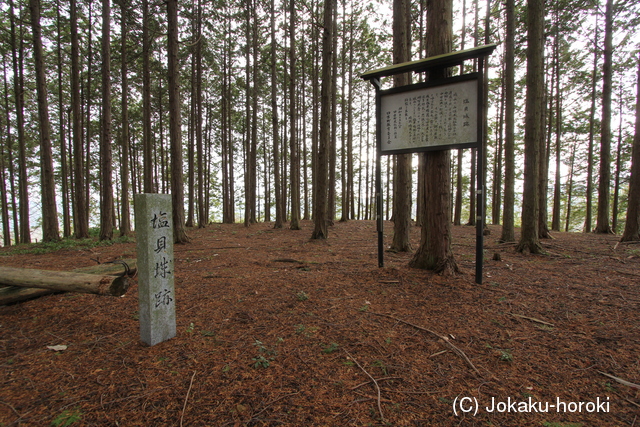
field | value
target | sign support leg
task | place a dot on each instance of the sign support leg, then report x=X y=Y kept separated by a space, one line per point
x=379 y=207
x=480 y=193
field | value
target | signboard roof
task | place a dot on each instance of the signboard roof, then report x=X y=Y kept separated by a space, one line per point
x=439 y=61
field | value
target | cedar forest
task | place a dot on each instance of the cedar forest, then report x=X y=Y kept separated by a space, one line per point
x=254 y=111
x=255 y=116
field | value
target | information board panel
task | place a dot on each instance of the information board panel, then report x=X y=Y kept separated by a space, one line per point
x=426 y=117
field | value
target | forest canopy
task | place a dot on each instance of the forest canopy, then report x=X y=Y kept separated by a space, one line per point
x=223 y=99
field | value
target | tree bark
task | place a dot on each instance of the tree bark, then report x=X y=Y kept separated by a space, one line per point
x=9 y=146
x=333 y=152
x=106 y=167
x=616 y=185
x=279 y=220
x=253 y=146
x=248 y=170
x=604 y=184
x=320 y=207
x=293 y=117
x=534 y=138
x=64 y=173
x=177 y=184
x=64 y=281
x=147 y=155
x=125 y=219
x=632 y=225
x=350 y=160
x=6 y=230
x=191 y=188
x=498 y=164
x=592 y=126
x=87 y=124
x=545 y=153
x=570 y=188
x=203 y=212
x=50 y=230
x=17 y=55
x=555 y=219
x=457 y=213
x=402 y=175
x=435 y=251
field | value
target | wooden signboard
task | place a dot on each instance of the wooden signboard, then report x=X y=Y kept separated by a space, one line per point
x=425 y=116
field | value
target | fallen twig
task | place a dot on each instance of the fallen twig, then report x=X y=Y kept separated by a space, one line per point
x=442 y=337
x=184 y=407
x=374 y=398
x=137 y=396
x=533 y=319
x=630 y=401
x=620 y=380
x=374 y=382
x=617 y=271
x=379 y=379
x=13 y=409
x=271 y=403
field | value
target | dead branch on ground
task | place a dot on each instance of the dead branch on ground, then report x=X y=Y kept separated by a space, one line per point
x=442 y=337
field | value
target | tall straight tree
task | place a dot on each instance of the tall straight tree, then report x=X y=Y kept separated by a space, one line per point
x=402 y=175
x=64 y=173
x=275 y=124
x=17 y=56
x=533 y=132
x=474 y=152
x=320 y=207
x=545 y=157
x=191 y=134
x=333 y=152
x=80 y=215
x=202 y=204
x=125 y=221
x=249 y=162
x=457 y=211
x=177 y=184
x=555 y=221
x=147 y=155
x=10 y=157
x=435 y=251
x=616 y=186
x=592 y=130
x=349 y=194
x=6 y=231
x=8 y=144
x=632 y=225
x=50 y=230
x=88 y=112
x=508 y=229
x=604 y=184
x=106 y=168
x=293 y=117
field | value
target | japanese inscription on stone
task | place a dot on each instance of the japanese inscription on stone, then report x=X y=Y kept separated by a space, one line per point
x=430 y=117
x=154 y=234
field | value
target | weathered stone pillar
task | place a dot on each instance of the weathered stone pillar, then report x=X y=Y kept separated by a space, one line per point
x=156 y=296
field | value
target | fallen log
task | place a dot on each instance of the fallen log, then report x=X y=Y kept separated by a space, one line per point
x=64 y=281
x=12 y=294
x=123 y=267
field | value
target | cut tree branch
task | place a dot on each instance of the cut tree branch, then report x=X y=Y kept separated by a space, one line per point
x=442 y=337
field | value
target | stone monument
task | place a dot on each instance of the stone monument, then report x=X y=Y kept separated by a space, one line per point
x=156 y=296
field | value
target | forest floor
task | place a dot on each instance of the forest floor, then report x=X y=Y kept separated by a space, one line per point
x=276 y=329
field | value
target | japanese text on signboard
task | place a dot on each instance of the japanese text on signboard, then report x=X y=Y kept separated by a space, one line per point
x=430 y=117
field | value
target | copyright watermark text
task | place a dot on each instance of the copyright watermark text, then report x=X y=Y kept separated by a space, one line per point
x=470 y=405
